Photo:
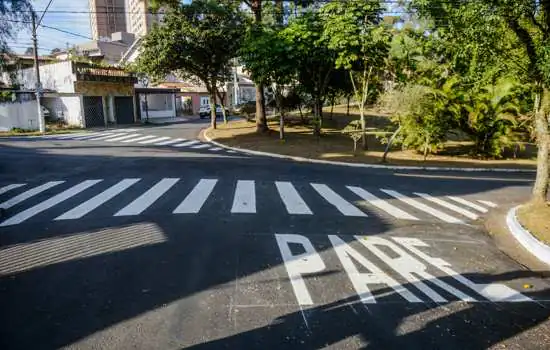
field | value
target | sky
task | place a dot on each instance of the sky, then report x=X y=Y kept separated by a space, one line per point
x=48 y=39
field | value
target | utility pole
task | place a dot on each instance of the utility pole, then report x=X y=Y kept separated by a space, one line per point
x=38 y=88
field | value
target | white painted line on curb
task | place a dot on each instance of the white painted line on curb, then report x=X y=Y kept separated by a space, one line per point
x=94 y=202
x=148 y=198
x=10 y=187
x=197 y=197
x=382 y=204
x=468 y=204
x=423 y=207
x=29 y=193
x=291 y=198
x=540 y=250
x=448 y=205
x=244 y=200
x=40 y=207
x=337 y=201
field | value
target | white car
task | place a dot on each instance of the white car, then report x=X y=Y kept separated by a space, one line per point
x=204 y=111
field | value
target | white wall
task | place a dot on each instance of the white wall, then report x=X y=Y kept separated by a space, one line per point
x=19 y=115
x=55 y=76
x=67 y=108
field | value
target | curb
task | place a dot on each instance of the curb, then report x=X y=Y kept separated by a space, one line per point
x=361 y=165
x=540 y=250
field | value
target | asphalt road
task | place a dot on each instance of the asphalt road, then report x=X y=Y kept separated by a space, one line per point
x=148 y=238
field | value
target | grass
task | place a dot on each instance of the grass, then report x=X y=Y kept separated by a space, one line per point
x=333 y=145
x=51 y=129
x=536 y=219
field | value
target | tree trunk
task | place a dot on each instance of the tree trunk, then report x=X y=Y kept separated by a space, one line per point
x=331 y=106
x=278 y=102
x=347 y=112
x=390 y=142
x=221 y=96
x=363 y=127
x=301 y=114
x=261 y=120
x=540 y=189
x=213 y=109
x=317 y=117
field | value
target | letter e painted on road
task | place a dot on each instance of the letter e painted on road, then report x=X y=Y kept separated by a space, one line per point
x=361 y=281
x=492 y=291
x=299 y=264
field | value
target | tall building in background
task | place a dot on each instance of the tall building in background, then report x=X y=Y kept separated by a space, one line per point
x=139 y=19
x=107 y=17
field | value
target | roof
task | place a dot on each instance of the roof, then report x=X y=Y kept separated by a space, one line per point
x=184 y=86
x=155 y=90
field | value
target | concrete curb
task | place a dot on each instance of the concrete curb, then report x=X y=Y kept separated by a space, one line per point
x=360 y=165
x=540 y=250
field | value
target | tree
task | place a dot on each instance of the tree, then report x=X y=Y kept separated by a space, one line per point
x=197 y=39
x=14 y=15
x=529 y=21
x=270 y=57
x=353 y=29
x=314 y=60
x=55 y=50
x=29 y=51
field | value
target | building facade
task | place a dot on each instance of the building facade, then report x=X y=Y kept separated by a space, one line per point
x=139 y=19
x=107 y=17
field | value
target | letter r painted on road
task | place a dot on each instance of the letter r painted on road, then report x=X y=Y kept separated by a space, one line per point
x=297 y=265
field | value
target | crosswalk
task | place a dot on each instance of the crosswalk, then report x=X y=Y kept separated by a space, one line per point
x=69 y=200
x=133 y=137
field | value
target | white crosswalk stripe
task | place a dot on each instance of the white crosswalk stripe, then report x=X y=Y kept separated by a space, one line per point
x=97 y=200
x=468 y=204
x=487 y=203
x=92 y=135
x=196 y=198
x=204 y=145
x=70 y=136
x=293 y=202
x=448 y=205
x=423 y=207
x=139 y=138
x=244 y=200
x=169 y=142
x=146 y=142
x=40 y=207
x=382 y=204
x=29 y=193
x=125 y=137
x=149 y=197
x=10 y=187
x=104 y=138
x=337 y=201
x=215 y=149
x=187 y=143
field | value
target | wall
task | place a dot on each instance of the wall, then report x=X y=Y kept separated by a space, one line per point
x=90 y=88
x=67 y=108
x=19 y=115
x=55 y=76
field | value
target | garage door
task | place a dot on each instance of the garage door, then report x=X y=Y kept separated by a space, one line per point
x=124 y=109
x=93 y=111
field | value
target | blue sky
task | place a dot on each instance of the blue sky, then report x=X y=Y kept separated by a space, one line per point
x=48 y=39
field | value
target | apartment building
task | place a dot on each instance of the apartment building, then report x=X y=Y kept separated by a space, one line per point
x=107 y=17
x=139 y=19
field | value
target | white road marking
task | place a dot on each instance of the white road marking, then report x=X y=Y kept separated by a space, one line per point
x=381 y=204
x=423 y=207
x=336 y=200
x=231 y=151
x=293 y=202
x=244 y=200
x=70 y=136
x=120 y=138
x=185 y=144
x=10 y=187
x=29 y=193
x=146 y=142
x=149 y=197
x=40 y=207
x=448 y=205
x=468 y=204
x=139 y=138
x=169 y=142
x=94 y=202
x=487 y=203
x=196 y=198
x=215 y=149
x=204 y=145
x=107 y=136
x=92 y=135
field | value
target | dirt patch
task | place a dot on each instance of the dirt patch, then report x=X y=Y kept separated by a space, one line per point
x=536 y=219
x=335 y=146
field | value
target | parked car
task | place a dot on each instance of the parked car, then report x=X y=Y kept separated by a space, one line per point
x=204 y=111
x=245 y=108
x=45 y=112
